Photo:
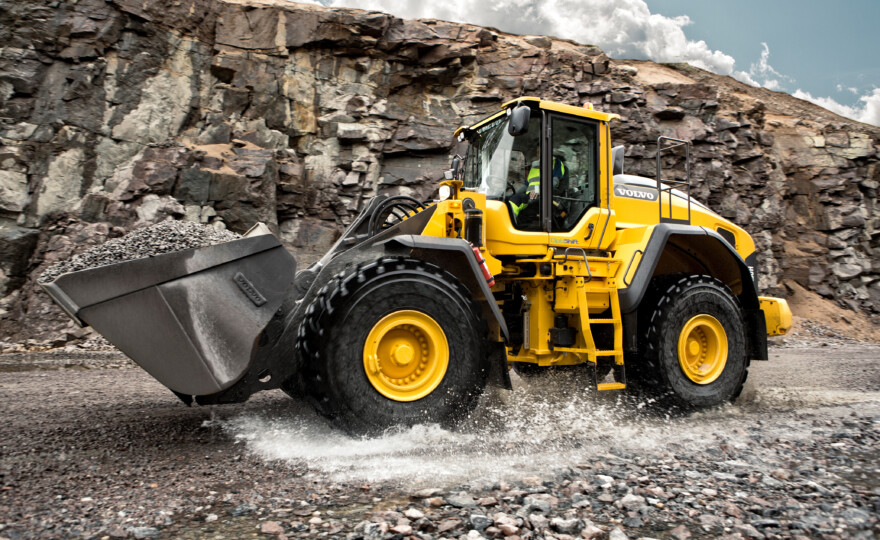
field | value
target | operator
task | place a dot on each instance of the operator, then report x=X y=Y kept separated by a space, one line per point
x=519 y=201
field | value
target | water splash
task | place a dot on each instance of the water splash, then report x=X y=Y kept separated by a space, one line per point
x=536 y=429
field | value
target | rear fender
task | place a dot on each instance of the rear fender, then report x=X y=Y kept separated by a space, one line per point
x=676 y=249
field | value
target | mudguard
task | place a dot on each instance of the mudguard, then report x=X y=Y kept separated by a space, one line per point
x=713 y=251
x=429 y=248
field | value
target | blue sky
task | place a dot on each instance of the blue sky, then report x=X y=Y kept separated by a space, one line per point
x=825 y=52
x=824 y=48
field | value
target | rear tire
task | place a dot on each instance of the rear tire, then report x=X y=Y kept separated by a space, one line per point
x=424 y=341
x=695 y=345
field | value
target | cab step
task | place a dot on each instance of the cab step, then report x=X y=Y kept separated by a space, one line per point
x=619 y=378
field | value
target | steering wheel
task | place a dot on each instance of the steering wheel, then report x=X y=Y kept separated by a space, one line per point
x=510 y=190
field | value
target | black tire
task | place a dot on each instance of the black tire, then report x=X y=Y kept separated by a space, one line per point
x=642 y=376
x=337 y=324
x=678 y=301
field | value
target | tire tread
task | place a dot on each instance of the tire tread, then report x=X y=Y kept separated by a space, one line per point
x=329 y=304
x=667 y=290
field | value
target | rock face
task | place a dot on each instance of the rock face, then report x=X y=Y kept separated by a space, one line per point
x=116 y=114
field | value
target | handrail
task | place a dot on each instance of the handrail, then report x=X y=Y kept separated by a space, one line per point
x=584 y=255
x=671 y=184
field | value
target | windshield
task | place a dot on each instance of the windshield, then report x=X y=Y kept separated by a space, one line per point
x=498 y=162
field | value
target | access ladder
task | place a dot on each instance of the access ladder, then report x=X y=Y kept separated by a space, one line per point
x=602 y=285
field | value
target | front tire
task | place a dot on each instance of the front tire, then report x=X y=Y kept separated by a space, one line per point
x=695 y=345
x=396 y=342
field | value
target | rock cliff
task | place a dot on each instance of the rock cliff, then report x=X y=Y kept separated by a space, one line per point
x=119 y=113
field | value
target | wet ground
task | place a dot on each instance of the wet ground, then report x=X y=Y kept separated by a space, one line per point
x=93 y=447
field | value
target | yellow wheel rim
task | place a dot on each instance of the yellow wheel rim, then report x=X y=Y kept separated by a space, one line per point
x=702 y=349
x=406 y=355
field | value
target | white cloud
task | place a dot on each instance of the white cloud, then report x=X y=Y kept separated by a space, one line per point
x=743 y=76
x=764 y=74
x=623 y=29
x=868 y=113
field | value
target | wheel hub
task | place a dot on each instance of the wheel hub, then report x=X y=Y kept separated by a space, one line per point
x=402 y=354
x=702 y=349
x=406 y=355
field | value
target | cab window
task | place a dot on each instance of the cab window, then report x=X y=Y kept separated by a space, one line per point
x=498 y=163
x=575 y=170
x=506 y=168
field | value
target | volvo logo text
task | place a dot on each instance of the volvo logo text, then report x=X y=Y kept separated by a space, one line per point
x=635 y=193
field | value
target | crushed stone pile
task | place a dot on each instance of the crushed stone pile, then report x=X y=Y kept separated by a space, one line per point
x=164 y=237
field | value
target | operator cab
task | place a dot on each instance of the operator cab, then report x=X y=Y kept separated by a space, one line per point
x=510 y=167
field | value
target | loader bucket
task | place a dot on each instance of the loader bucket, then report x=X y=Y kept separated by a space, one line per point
x=192 y=319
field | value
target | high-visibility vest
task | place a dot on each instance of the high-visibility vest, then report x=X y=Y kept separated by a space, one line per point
x=534 y=180
x=534 y=177
x=517 y=208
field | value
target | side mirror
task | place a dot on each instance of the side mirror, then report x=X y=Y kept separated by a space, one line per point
x=452 y=174
x=518 y=123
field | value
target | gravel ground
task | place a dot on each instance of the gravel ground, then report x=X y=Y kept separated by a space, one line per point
x=164 y=237
x=93 y=447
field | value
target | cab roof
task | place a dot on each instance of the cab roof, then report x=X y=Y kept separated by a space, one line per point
x=538 y=103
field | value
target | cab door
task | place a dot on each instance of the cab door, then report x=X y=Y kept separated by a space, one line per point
x=572 y=181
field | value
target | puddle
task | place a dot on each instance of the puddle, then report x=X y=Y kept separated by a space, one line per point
x=543 y=426
x=533 y=430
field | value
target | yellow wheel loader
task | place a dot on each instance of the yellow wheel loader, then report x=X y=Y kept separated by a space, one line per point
x=540 y=253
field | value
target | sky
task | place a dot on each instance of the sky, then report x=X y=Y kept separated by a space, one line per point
x=824 y=52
